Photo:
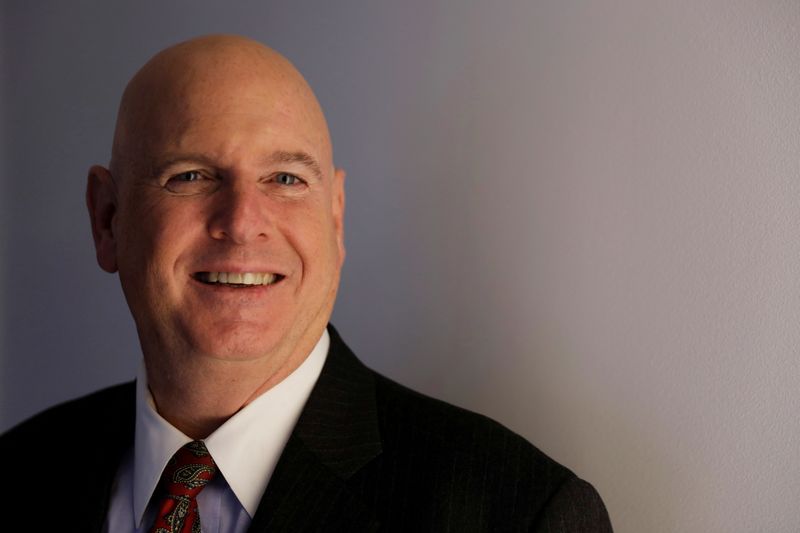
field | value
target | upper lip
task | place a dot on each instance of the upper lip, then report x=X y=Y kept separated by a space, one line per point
x=261 y=269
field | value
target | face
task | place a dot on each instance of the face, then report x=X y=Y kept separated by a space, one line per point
x=226 y=224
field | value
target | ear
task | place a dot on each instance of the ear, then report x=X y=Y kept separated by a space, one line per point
x=101 y=200
x=337 y=198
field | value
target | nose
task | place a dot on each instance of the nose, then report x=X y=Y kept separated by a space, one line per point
x=240 y=214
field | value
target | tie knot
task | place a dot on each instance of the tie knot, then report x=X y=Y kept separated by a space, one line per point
x=186 y=473
x=189 y=470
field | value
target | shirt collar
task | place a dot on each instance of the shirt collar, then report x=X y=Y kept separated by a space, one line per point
x=245 y=448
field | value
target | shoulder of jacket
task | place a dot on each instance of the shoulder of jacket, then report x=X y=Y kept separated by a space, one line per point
x=92 y=411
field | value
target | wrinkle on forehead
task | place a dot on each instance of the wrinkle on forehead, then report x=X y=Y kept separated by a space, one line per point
x=218 y=74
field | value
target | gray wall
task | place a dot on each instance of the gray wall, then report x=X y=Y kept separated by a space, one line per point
x=579 y=218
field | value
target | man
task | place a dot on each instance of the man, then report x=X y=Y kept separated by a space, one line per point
x=222 y=211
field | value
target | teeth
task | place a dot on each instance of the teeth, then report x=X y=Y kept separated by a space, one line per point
x=238 y=278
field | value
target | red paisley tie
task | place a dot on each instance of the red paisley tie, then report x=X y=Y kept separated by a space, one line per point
x=189 y=470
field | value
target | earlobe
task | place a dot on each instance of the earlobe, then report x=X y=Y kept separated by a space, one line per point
x=101 y=200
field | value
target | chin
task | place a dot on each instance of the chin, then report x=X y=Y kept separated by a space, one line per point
x=236 y=344
x=240 y=351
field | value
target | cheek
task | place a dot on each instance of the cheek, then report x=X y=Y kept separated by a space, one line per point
x=313 y=237
x=153 y=241
x=318 y=252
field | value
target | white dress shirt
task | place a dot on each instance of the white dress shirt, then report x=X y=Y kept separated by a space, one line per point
x=245 y=448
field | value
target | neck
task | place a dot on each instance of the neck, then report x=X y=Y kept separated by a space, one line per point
x=197 y=393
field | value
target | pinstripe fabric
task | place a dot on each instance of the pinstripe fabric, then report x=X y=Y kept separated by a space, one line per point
x=366 y=455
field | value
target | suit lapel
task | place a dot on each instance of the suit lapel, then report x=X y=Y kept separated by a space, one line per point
x=336 y=435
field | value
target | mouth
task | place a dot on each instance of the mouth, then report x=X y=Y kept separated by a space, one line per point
x=239 y=280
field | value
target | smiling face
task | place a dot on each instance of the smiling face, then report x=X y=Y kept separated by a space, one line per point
x=224 y=212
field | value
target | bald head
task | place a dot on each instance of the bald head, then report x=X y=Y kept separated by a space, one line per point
x=217 y=74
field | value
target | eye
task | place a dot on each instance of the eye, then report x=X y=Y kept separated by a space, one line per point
x=191 y=175
x=284 y=178
x=190 y=182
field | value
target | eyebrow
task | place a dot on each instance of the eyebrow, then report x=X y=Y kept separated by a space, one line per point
x=280 y=156
x=157 y=169
x=302 y=158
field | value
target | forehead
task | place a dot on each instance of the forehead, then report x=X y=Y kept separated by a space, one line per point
x=229 y=117
x=221 y=109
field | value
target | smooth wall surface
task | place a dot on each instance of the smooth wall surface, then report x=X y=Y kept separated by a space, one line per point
x=579 y=218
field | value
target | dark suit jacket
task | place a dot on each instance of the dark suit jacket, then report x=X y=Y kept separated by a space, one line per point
x=366 y=455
